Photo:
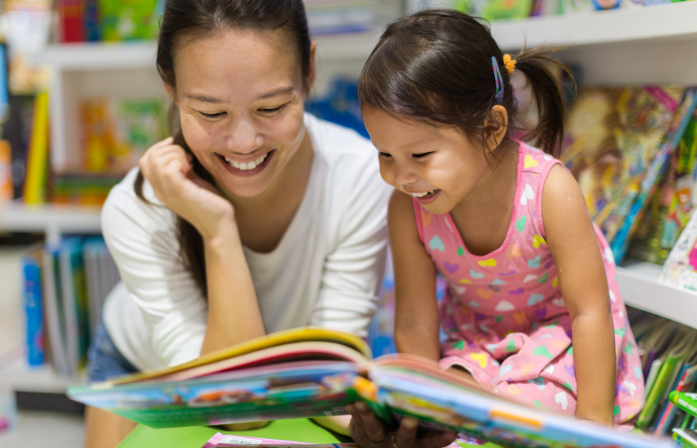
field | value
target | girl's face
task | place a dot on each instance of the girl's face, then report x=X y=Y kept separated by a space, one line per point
x=437 y=166
x=240 y=95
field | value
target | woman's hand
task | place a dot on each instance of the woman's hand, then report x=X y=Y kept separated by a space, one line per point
x=369 y=432
x=169 y=170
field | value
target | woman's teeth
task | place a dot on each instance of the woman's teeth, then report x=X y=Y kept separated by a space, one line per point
x=249 y=165
x=422 y=195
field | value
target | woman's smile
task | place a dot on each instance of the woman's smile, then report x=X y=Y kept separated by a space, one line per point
x=246 y=167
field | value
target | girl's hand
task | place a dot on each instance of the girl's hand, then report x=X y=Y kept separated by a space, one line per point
x=369 y=432
x=169 y=170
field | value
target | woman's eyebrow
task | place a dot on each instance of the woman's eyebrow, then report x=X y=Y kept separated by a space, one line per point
x=281 y=91
x=203 y=98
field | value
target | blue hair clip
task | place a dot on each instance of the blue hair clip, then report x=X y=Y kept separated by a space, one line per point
x=499 y=80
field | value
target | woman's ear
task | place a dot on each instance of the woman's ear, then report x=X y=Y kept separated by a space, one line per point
x=312 y=71
x=170 y=93
x=495 y=127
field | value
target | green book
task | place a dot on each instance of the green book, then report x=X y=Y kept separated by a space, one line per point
x=687 y=401
x=673 y=360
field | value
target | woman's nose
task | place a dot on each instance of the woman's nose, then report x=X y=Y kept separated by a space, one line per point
x=243 y=137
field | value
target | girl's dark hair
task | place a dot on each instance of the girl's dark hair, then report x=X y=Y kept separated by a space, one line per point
x=435 y=66
x=181 y=17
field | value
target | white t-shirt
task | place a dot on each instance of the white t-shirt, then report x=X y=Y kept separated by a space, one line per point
x=324 y=272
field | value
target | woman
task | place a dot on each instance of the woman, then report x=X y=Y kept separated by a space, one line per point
x=256 y=217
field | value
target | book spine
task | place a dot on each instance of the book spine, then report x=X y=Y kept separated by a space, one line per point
x=37 y=163
x=685 y=384
x=685 y=402
x=657 y=391
x=33 y=310
x=71 y=20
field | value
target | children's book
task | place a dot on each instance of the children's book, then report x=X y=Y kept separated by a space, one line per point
x=672 y=360
x=685 y=383
x=75 y=306
x=687 y=401
x=312 y=372
x=33 y=306
x=680 y=268
x=685 y=437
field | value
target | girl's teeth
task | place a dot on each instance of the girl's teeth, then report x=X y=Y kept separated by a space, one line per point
x=421 y=195
x=247 y=166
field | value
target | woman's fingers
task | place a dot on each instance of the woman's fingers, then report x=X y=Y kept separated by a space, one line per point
x=406 y=434
x=374 y=429
x=436 y=440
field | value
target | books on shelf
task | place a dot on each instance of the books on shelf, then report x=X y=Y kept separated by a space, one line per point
x=668 y=353
x=312 y=372
x=680 y=268
x=618 y=142
x=65 y=285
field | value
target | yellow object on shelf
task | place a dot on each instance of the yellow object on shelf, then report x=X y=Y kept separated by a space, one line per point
x=37 y=157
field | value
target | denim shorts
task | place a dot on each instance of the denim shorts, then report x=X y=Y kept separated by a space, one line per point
x=104 y=360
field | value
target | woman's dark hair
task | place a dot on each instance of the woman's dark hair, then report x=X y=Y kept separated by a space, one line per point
x=203 y=17
x=435 y=66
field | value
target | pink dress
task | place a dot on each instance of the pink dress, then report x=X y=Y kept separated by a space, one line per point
x=504 y=318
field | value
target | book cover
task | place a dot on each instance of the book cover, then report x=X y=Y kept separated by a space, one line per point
x=686 y=383
x=71 y=18
x=685 y=437
x=37 y=154
x=291 y=374
x=671 y=361
x=33 y=308
x=53 y=305
x=687 y=401
x=75 y=307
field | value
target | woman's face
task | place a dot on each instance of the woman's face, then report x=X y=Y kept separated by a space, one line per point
x=240 y=95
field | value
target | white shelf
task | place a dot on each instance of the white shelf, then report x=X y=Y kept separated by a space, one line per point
x=100 y=55
x=52 y=219
x=17 y=375
x=641 y=289
x=141 y=55
x=671 y=21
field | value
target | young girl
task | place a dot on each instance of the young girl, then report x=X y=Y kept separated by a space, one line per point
x=534 y=312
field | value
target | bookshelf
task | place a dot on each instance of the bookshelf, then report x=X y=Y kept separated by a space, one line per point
x=53 y=220
x=641 y=289
x=636 y=45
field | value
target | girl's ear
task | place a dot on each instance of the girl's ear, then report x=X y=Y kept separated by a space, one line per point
x=495 y=127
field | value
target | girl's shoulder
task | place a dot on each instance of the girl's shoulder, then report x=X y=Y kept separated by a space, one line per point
x=536 y=161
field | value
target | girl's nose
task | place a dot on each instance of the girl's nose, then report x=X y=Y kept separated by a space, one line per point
x=404 y=176
x=243 y=137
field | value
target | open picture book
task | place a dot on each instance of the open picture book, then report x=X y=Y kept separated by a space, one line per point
x=312 y=372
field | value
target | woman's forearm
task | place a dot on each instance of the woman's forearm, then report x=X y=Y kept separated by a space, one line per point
x=595 y=365
x=233 y=310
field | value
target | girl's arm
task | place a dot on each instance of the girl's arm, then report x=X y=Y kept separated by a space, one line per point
x=583 y=282
x=416 y=309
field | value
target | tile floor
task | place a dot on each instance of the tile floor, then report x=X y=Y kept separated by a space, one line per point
x=32 y=429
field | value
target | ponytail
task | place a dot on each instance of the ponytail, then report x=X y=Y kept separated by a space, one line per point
x=535 y=64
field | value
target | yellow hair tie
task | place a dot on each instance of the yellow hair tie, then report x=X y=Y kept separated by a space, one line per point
x=509 y=63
